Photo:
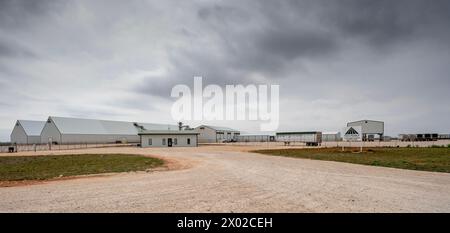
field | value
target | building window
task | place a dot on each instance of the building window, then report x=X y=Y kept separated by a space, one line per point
x=189 y=141
x=164 y=141
x=149 y=141
x=175 y=141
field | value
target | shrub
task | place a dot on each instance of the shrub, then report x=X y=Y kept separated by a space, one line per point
x=408 y=146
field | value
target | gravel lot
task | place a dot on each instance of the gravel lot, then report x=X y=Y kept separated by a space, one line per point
x=229 y=179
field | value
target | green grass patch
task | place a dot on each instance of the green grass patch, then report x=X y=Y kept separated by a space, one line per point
x=43 y=167
x=424 y=159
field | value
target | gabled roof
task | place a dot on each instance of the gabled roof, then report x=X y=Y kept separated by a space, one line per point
x=68 y=125
x=32 y=128
x=219 y=128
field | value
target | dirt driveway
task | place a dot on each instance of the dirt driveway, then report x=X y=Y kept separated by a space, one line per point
x=229 y=179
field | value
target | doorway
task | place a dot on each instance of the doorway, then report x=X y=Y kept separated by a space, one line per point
x=169 y=142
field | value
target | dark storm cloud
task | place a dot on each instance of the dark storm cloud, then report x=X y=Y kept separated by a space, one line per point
x=384 y=22
x=291 y=44
x=265 y=36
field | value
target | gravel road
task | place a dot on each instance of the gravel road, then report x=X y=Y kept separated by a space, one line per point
x=230 y=179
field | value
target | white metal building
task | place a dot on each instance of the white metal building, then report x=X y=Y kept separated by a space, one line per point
x=27 y=132
x=212 y=134
x=312 y=138
x=370 y=128
x=331 y=136
x=168 y=138
x=65 y=130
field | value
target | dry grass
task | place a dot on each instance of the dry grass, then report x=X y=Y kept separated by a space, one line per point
x=13 y=168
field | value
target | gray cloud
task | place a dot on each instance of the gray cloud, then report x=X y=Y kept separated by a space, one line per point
x=335 y=60
x=15 y=14
x=10 y=49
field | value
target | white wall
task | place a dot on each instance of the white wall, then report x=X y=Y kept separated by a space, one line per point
x=50 y=131
x=371 y=127
x=331 y=137
x=18 y=135
x=207 y=135
x=95 y=138
x=34 y=139
x=157 y=140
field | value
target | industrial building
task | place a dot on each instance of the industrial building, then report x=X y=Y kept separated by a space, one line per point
x=310 y=138
x=213 y=134
x=331 y=136
x=65 y=130
x=370 y=129
x=27 y=132
x=168 y=138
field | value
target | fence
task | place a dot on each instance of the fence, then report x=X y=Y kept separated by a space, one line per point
x=392 y=143
x=47 y=147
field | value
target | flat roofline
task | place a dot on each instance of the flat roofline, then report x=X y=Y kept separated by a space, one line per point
x=365 y=120
x=169 y=132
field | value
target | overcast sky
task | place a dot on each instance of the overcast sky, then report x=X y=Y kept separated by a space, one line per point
x=335 y=61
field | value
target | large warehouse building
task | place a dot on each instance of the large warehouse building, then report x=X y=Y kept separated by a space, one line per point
x=213 y=134
x=369 y=129
x=27 y=132
x=65 y=130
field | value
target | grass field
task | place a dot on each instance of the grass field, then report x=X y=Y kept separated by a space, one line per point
x=13 y=168
x=425 y=159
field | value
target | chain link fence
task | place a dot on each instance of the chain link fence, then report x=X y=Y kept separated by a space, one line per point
x=48 y=147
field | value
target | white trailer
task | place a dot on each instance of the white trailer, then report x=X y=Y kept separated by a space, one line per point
x=310 y=138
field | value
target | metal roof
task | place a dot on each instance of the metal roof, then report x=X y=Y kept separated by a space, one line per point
x=67 y=125
x=32 y=128
x=364 y=121
x=331 y=132
x=163 y=132
x=151 y=126
x=219 y=128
